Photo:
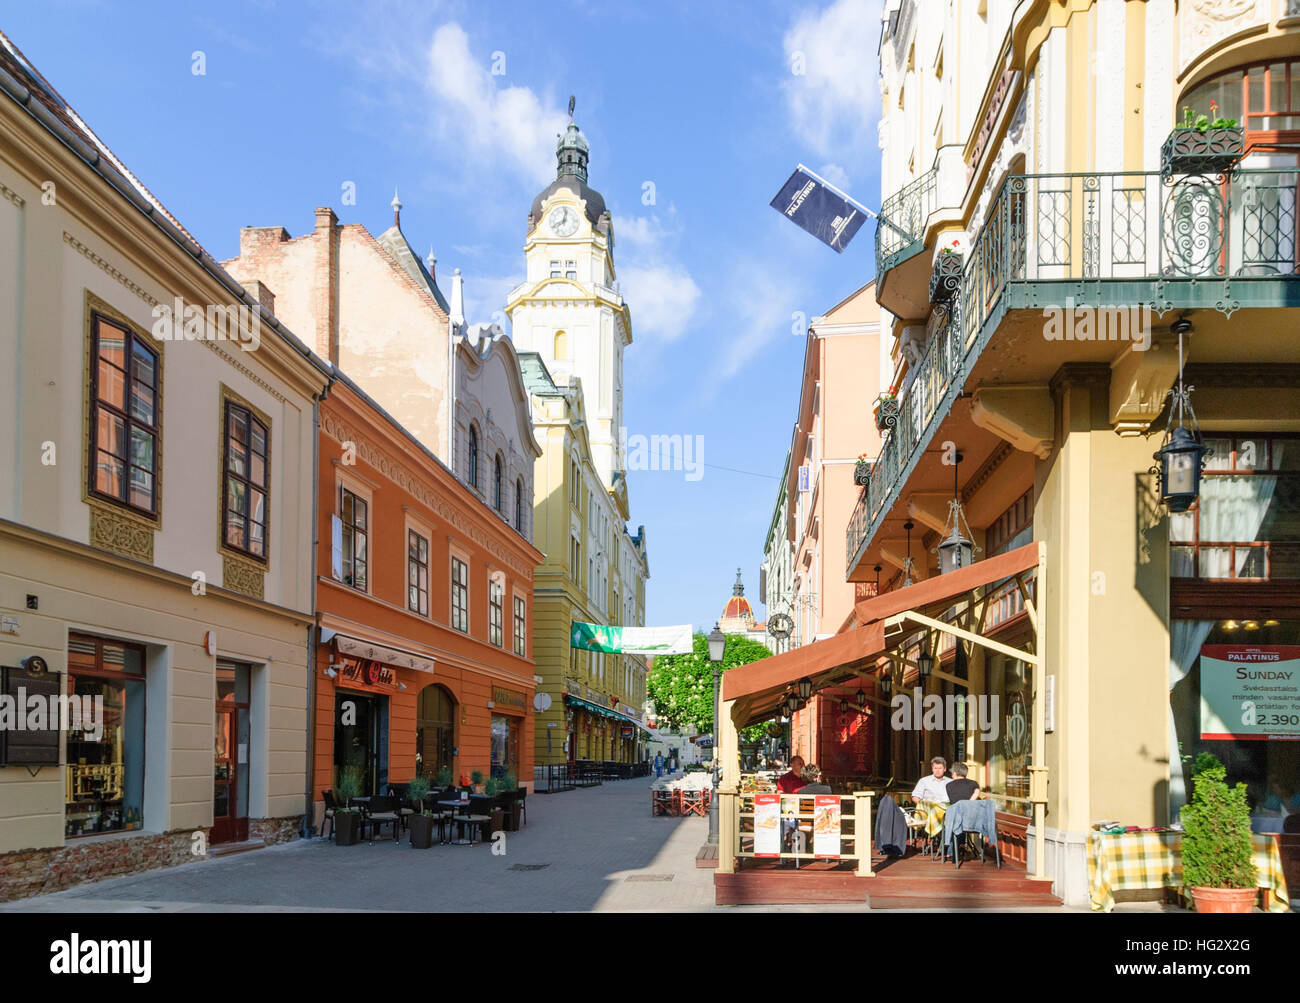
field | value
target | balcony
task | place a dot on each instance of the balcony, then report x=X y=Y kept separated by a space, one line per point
x=1102 y=240
x=900 y=239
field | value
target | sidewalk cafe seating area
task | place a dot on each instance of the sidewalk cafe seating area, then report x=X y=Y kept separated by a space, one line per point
x=462 y=817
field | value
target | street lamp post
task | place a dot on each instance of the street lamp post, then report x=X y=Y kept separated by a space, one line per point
x=717 y=647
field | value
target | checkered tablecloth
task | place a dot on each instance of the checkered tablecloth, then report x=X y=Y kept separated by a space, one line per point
x=1128 y=860
x=933 y=812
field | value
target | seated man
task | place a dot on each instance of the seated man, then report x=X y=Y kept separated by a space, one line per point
x=935 y=786
x=959 y=787
x=812 y=776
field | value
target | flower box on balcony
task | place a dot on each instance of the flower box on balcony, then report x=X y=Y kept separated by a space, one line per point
x=946 y=277
x=862 y=473
x=1209 y=151
x=886 y=413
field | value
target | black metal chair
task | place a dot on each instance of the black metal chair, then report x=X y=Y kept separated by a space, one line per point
x=523 y=804
x=405 y=806
x=477 y=817
x=382 y=811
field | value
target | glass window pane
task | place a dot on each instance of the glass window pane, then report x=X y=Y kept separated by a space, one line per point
x=236 y=497
x=236 y=535
x=112 y=433
x=1277 y=87
x=1252 y=453
x=1215 y=562
x=110 y=474
x=257 y=470
x=257 y=508
x=143 y=367
x=141 y=488
x=347 y=508
x=1221 y=457
x=1285 y=454
x=112 y=344
x=142 y=403
x=1182 y=527
x=1182 y=562
x=259 y=438
x=359 y=510
x=142 y=449
x=112 y=385
x=237 y=457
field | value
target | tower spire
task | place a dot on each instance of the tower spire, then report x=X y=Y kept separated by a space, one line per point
x=571 y=150
x=396 y=205
x=739 y=588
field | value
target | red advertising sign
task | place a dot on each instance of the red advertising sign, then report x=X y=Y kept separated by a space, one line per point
x=767 y=825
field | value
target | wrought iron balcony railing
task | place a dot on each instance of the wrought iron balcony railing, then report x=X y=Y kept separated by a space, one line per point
x=900 y=231
x=1106 y=240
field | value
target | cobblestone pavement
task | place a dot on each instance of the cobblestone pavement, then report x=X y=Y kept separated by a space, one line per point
x=595 y=849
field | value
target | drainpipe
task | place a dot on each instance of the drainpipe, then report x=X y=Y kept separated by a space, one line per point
x=313 y=632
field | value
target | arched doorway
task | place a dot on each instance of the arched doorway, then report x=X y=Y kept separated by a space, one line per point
x=435 y=731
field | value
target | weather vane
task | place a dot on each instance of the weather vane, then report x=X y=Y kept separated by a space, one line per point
x=572 y=100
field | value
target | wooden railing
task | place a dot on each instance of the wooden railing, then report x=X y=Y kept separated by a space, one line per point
x=855 y=827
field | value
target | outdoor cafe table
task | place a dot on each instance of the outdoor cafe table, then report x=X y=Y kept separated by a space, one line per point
x=453 y=805
x=1126 y=860
x=933 y=811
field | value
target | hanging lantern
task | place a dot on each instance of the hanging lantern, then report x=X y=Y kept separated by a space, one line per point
x=955 y=547
x=1182 y=455
x=924 y=665
x=907 y=561
x=862 y=698
x=887 y=683
x=844 y=705
x=805 y=688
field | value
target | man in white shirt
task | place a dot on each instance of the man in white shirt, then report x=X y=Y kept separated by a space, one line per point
x=935 y=786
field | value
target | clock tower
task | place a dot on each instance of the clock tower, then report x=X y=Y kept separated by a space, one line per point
x=569 y=309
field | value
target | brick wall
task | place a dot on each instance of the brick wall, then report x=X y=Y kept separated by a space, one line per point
x=39 y=872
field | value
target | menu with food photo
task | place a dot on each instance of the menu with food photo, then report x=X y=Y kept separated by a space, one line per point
x=767 y=825
x=826 y=826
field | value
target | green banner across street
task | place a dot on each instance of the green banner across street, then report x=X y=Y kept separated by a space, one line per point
x=675 y=640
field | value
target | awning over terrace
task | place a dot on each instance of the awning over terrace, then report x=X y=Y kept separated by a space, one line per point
x=755 y=690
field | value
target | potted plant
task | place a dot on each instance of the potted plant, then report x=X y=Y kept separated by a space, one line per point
x=1203 y=144
x=510 y=801
x=420 y=824
x=1218 y=864
x=492 y=787
x=887 y=409
x=347 y=819
x=946 y=277
x=476 y=778
x=862 y=470
x=443 y=777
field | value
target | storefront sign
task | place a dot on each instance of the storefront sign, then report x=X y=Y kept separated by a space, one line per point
x=826 y=826
x=572 y=688
x=767 y=825
x=368 y=671
x=507 y=698
x=1250 y=693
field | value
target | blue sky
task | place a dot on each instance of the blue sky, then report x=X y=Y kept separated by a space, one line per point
x=699 y=99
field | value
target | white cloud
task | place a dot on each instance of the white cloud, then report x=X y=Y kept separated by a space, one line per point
x=663 y=298
x=835 y=102
x=836 y=175
x=509 y=123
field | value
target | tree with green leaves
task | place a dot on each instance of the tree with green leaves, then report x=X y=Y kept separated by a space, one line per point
x=681 y=686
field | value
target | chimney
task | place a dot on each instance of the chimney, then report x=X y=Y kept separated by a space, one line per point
x=325 y=284
x=259 y=292
x=254 y=239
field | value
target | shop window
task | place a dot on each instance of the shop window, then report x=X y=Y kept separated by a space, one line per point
x=355 y=535
x=505 y=745
x=521 y=627
x=417 y=573
x=434 y=731
x=1228 y=697
x=105 y=761
x=496 y=613
x=1246 y=523
x=459 y=595
x=1009 y=753
x=246 y=476
x=124 y=419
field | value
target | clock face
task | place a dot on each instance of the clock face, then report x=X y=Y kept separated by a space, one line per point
x=564 y=221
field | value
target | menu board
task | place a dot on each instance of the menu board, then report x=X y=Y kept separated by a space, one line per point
x=1250 y=693
x=826 y=826
x=767 y=825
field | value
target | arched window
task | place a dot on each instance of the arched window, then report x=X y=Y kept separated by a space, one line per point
x=1264 y=99
x=561 y=346
x=519 y=505
x=496 y=483
x=473 y=457
x=435 y=730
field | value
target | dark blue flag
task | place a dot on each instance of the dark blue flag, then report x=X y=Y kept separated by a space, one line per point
x=816 y=207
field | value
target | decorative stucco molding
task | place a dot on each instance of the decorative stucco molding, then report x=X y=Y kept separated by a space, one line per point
x=1205 y=23
x=245 y=577
x=116 y=530
x=12 y=196
x=105 y=267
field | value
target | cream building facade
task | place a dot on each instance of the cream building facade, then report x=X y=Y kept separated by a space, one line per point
x=572 y=326
x=156 y=519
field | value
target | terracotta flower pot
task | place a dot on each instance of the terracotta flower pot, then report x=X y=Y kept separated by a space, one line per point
x=1224 y=899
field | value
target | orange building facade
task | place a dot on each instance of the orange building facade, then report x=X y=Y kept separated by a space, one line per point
x=424 y=603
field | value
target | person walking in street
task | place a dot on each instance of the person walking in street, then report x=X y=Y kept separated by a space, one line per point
x=659 y=765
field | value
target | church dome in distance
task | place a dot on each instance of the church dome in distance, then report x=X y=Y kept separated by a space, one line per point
x=737 y=614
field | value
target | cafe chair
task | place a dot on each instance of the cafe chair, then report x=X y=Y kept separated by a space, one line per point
x=523 y=805
x=382 y=811
x=331 y=808
x=475 y=819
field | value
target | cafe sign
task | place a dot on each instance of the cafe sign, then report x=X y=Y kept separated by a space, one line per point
x=368 y=672
x=507 y=698
x=1250 y=693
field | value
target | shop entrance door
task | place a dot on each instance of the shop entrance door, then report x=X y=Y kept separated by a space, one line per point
x=361 y=738
x=231 y=755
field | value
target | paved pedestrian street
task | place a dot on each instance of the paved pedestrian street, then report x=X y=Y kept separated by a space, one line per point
x=593 y=849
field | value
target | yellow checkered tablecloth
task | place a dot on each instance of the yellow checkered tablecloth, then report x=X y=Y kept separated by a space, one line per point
x=1127 y=860
x=934 y=813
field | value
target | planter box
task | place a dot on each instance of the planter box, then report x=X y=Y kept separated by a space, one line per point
x=886 y=415
x=945 y=280
x=347 y=828
x=421 y=829
x=1215 y=151
x=862 y=474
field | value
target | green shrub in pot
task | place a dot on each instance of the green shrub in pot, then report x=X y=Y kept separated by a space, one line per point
x=1218 y=848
